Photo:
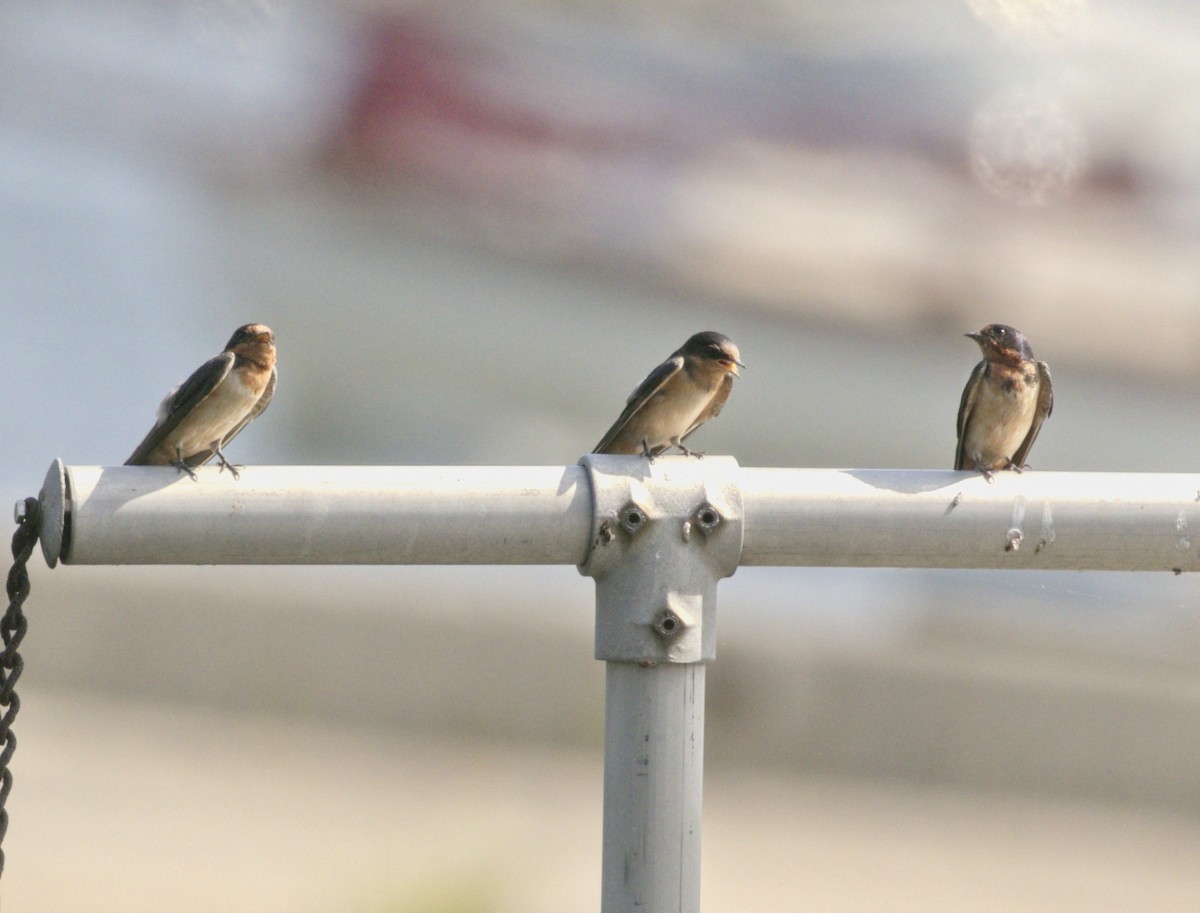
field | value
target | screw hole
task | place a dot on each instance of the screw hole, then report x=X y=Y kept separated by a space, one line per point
x=707 y=518
x=667 y=624
x=633 y=518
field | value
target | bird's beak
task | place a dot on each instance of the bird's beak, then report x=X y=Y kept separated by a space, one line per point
x=732 y=366
x=978 y=337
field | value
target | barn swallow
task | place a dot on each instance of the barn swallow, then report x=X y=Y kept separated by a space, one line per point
x=1004 y=403
x=678 y=396
x=205 y=412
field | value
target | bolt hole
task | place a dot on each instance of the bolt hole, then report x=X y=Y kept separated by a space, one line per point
x=707 y=518
x=633 y=518
x=668 y=624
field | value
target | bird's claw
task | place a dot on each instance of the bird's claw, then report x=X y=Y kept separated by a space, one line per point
x=184 y=467
x=225 y=464
x=232 y=467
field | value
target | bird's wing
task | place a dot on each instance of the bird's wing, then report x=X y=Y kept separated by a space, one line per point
x=965 y=406
x=638 y=398
x=1045 y=404
x=715 y=405
x=199 y=459
x=181 y=401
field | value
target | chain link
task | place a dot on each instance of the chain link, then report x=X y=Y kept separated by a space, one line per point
x=12 y=630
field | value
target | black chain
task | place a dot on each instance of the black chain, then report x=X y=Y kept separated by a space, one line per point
x=12 y=629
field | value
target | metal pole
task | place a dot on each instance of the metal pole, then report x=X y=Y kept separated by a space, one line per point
x=663 y=535
x=317 y=515
x=656 y=537
x=653 y=786
x=920 y=518
x=542 y=515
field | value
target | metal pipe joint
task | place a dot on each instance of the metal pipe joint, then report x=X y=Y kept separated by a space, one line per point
x=663 y=533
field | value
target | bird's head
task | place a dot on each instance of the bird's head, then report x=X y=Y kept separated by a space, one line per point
x=255 y=334
x=716 y=349
x=999 y=342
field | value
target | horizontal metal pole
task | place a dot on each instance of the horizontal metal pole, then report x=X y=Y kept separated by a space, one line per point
x=328 y=515
x=543 y=515
x=945 y=519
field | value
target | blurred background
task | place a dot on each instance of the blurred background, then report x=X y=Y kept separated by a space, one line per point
x=474 y=227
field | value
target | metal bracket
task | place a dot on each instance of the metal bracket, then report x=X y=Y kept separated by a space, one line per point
x=663 y=534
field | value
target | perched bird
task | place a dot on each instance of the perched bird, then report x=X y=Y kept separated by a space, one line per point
x=1004 y=403
x=678 y=396
x=204 y=413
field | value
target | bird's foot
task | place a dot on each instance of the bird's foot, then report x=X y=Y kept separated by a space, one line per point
x=698 y=454
x=179 y=464
x=225 y=464
x=184 y=467
x=984 y=470
x=646 y=451
x=1015 y=468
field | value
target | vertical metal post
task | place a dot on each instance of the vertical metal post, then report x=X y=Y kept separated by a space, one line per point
x=653 y=787
x=663 y=534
